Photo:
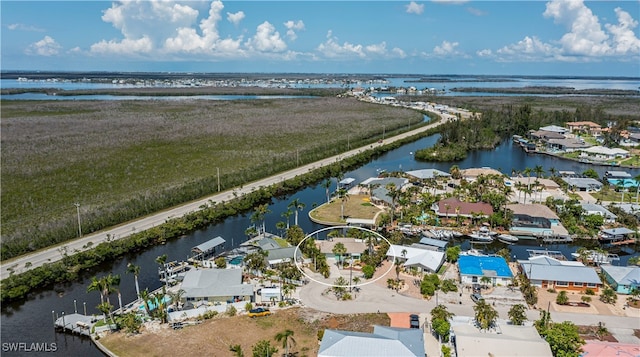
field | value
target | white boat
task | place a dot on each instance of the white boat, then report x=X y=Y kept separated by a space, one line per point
x=507 y=238
x=482 y=235
x=597 y=257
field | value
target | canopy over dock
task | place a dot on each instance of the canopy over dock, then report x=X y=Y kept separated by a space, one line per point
x=207 y=248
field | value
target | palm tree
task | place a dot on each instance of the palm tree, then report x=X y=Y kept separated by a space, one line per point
x=344 y=196
x=327 y=185
x=518 y=314
x=162 y=261
x=286 y=336
x=637 y=180
x=393 y=193
x=538 y=170
x=176 y=296
x=339 y=249
x=145 y=296
x=259 y=215
x=296 y=205
x=115 y=282
x=286 y=214
x=485 y=315
x=135 y=270
x=96 y=285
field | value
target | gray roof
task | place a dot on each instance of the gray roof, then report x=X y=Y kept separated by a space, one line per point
x=618 y=231
x=434 y=242
x=415 y=256
x=267 y=244
x=592 y=207
x=569 y=143
x=199 y=283
x=554 y=128
x=623 y=275
x=381 y=191
x=383 y=342
x=618 y=174
x=208 y=245
x=283 y=253
x=569 y=273
x=582 y=182
x=427 y=173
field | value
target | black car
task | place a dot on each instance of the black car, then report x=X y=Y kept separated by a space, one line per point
x=414 y=321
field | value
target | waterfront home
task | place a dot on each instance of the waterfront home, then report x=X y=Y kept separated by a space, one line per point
x=353 y=247
x=544 y=135
x=281 y=255
x=433 y=244
x=547 y=272
x=379 y=191
x=622 y=279
x=602 y=153
x=585 y=184
x=503 y=340
x=473 y=268
x=215 y=285
x=453 y=207
x=473 y=173
x=555 y=128
x=207 y=249
x=592 y=208
x=565 y=144
x=425 y=260
x=629 y=208
x=427 y=174
x=384 y=341
x=584 y=127
x=535 y=220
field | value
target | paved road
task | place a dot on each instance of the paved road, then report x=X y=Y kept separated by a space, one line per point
x=49 y=255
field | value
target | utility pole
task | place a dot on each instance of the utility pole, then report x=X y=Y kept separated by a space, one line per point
x=79 y=225
x=218 y=170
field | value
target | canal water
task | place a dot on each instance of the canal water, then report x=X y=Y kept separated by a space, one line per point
x=31 y=321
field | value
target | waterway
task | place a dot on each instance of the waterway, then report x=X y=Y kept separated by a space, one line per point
x=31 y=320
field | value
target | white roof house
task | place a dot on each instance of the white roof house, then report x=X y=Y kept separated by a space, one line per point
x=592 y=208
x=215 y=285
x=423 y=259
x=504 y=341
x=383 y=342
x=555 y=129
x=425 y=174
x=605 y=152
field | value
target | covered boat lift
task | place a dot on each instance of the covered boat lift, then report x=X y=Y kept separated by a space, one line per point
x=207 y=249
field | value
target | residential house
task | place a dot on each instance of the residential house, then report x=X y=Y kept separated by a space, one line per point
x=544 y=135
x=595 y=348
x=215 y=285
x=585 y=127
x=384 y=341
x=503 y=340
x=619 y=234
x=473 y=173
x=281 y=255
x=425 y=260
x=453 y=207
x=603 y=154
x=354 y=247
x=585 y=184
x=629 y=208
x=622 y=279
x=555 y=128
x=379 y=191
x=565 y=144
x=547 y=272
x=473 y=268
x=434 y=244
x=427 y=174
x=592 y=208
x=536 y=220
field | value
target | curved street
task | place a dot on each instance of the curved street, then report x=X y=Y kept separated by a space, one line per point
x=55 y=253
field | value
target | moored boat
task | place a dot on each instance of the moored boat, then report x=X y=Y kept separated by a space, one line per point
x=507 y=238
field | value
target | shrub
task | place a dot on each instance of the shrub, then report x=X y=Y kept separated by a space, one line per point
x=590 y=291
x=231 y=310
x=368 y=271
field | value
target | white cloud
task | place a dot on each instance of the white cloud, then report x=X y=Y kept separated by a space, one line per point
x=624 y=39
x=415 y=8
x=452 y=2
x=331 y=48
x=476 y=12
x=23 y=27
x=235 y=18
x=446 y=49
x=293 y=27
x=585 y=41
x=45 y=47
x=266 y=39
x=484 y=53
x=124 y=47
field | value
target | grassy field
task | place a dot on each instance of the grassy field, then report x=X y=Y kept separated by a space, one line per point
x=356 y=206
x=216 y=335
x=117 y=157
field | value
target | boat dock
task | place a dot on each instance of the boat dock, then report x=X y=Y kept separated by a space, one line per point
x=549 y=253
x=75 y=323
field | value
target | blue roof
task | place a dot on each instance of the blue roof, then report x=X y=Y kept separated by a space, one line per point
x=484 y=266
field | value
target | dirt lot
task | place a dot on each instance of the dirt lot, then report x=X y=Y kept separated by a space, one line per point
x=217 y=334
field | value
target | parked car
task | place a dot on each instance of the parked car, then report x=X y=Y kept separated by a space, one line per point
x=260 y=311
x=476 y=297
x=414 y=321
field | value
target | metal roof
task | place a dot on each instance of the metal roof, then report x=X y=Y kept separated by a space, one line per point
x=434 y=242
x=383 y=342
x=208 y=245
x=427 y=173
x=568 y=273
x=200 y=283
x=415 y=256
x=623 y=275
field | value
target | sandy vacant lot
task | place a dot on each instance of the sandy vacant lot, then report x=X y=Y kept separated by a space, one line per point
x=213 y=337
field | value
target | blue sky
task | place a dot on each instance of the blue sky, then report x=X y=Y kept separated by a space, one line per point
x=557 y=37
